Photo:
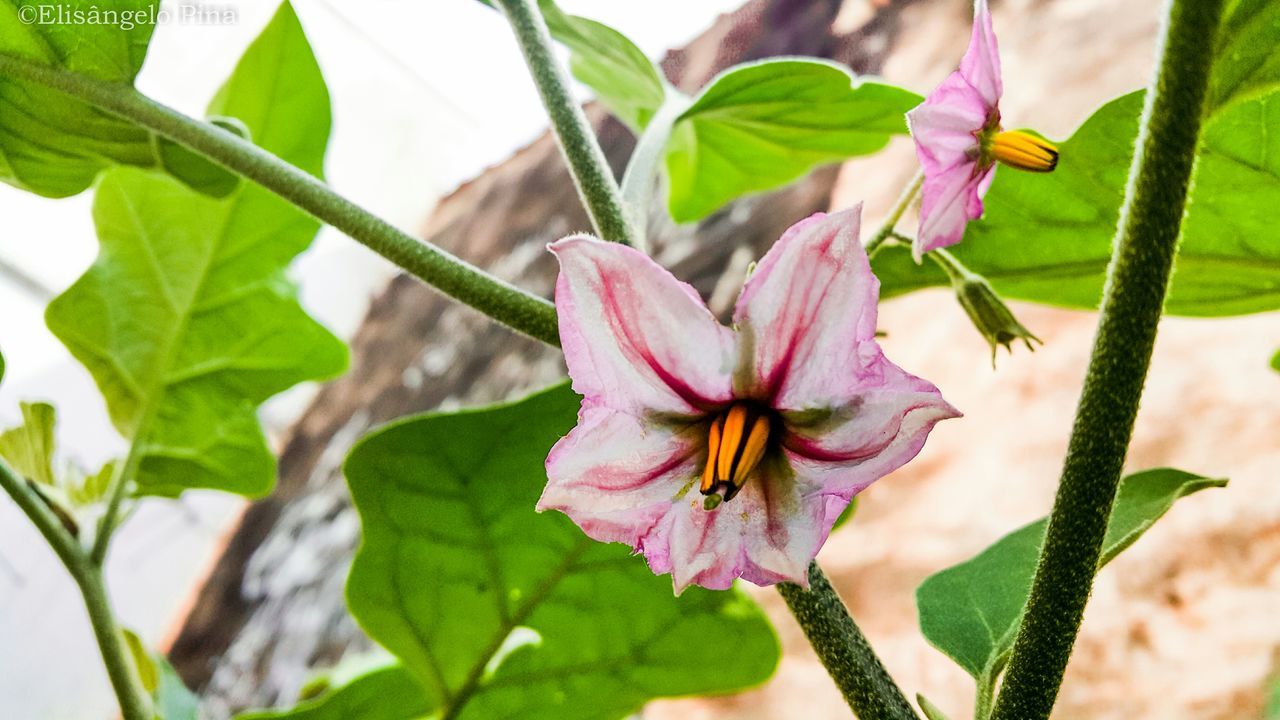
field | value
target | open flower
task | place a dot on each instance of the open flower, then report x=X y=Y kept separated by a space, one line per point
x=722 y=453
x=959 y=139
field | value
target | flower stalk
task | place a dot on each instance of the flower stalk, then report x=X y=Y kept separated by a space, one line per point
x=1137 y=282
x=886 y=231
x=844 y=650
x=591 y=174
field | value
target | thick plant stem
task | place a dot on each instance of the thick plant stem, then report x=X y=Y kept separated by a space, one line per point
x=134 y=703
x=453 y=276
x=1137 y=280
x=866 y=685
x=587 y=164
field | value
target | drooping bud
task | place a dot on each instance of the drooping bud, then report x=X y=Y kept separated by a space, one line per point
x=1024 y=151
x=991 y=316
x=984 y=306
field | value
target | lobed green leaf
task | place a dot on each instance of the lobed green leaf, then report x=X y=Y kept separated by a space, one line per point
x=186 y=320
x=499 y=611
x=760 y=125
x=53 y=145
x=971 y=611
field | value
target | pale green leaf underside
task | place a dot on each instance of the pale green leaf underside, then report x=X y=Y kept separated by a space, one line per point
x=53 y=145
x=1047 y=238
x=970 y=611
x=186 y=320
x=760 y=125
x=502 y=612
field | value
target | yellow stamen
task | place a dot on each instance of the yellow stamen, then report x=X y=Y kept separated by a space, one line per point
x=752 y=451
x=736 y=443
x=1024 y=151
x=713 y=447
x=734 y=423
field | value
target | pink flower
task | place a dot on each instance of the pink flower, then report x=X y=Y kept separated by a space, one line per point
x=959 y=139
x=722 y=453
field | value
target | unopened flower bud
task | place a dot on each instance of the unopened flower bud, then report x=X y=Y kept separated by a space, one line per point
x=989 y=313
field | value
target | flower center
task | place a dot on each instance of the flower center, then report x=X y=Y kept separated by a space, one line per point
x=1024 y=151
x=736 y=443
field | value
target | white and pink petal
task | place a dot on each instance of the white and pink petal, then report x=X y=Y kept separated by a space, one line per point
x=845 y=449
x=616 y=475
x=768 y=533
x=636 y=339
x=804 y=313
x=981 y=62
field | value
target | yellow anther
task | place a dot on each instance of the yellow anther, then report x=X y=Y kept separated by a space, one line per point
x=736 y=443
x=734 y=423
x=713 y=447
x=1024 y=151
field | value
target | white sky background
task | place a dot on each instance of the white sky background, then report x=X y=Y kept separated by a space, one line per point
x=426 y=94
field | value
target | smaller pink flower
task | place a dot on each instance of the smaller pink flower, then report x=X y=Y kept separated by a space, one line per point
x=959 y=139
x=722 y=453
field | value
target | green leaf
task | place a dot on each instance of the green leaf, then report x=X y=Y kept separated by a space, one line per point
x=1272 y=710
x=604 y=59
x=86 y=489
x=388 y=692
x=846 y=515
x=1275 y=362
x=1 y=366
x=930 y=710
x=1246 y=63
x=53 y=145
x=173 y=700
x=186 y=320
x=29 y=448
x=502 y=612
x=971 y=611
x=195 y=169
x=148 y=673
x=1047 y=237
x=761 y=125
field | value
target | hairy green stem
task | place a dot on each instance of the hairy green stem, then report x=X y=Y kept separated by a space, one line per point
x=453 y=276
x=134 y=703
x=848 y=657
x=587 y=164
x=886 y=231
x=1137 y=281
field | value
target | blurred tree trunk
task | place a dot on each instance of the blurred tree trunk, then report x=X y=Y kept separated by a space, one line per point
x=272 y=610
